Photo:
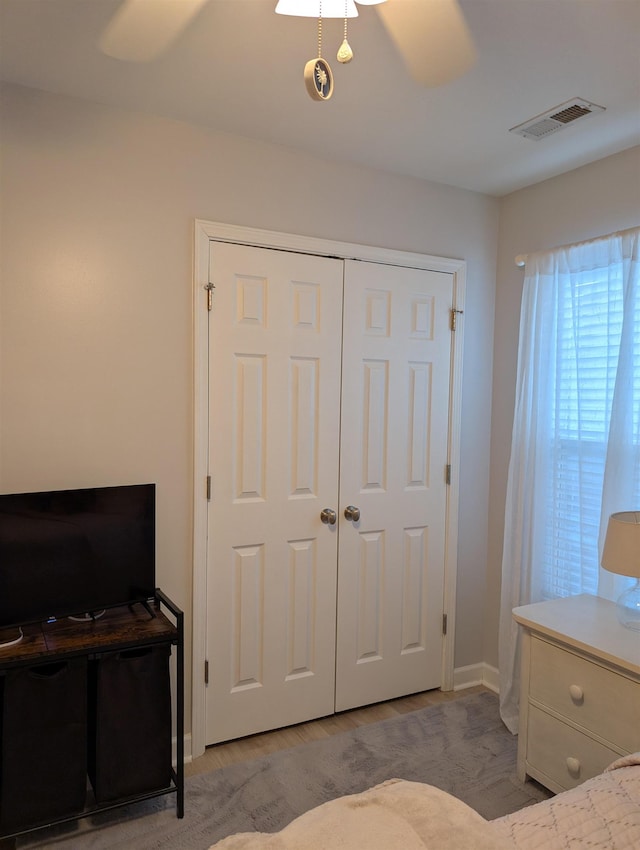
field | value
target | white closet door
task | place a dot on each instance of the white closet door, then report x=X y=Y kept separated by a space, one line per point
x=275 y=347
x=394 y=434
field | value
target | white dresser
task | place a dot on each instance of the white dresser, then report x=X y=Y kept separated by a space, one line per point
x=580 y=690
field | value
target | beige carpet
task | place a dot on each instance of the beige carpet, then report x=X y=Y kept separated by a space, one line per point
x=461 y=747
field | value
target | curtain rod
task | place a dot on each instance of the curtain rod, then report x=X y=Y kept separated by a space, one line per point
x=521 y=259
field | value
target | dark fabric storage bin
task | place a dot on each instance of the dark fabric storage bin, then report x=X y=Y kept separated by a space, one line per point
x=130 y=723
x=43 y=774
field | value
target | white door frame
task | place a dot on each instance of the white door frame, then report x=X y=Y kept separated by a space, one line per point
x=205 y=232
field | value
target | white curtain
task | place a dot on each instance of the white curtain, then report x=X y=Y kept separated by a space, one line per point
x=575 y=453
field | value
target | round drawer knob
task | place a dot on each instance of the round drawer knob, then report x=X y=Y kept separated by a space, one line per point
x=576 y=693
x=573 y=766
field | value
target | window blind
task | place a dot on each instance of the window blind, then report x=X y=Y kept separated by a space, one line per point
x=587 y=344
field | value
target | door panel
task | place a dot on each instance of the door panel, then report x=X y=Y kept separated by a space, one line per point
x=275 y=332
x=394 y=435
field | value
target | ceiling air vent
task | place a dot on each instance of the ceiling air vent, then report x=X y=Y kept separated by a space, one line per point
x=556 y=119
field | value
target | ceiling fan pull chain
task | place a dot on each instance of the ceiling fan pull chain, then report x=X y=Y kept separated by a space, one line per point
x=317 y=74
x=345 y=53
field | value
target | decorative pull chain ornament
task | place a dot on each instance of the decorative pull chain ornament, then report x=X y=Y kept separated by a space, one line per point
x=318 y=79
x=345 y=53
x=317 y=73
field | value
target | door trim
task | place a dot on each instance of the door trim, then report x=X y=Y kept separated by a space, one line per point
x=204 y=233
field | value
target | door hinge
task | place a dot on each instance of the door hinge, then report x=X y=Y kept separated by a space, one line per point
x=208 y=488
x=210 y=287
x=444 y=624
x=206 y=672
x=454 y=317
x=447 y=473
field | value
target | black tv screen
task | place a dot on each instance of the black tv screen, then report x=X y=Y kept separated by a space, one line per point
x=73 y=552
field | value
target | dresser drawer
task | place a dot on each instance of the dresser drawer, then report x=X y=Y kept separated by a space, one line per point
x=563 y=753
x=600 y=700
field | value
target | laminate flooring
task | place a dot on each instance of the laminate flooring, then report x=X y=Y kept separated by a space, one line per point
x=255 y=746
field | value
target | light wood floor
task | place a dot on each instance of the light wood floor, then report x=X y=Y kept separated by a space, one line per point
x=245 y=749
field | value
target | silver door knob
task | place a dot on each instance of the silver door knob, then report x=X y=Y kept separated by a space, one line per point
x=352 y=513
x=328 y=516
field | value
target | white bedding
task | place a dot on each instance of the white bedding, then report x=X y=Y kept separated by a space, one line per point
x=601 y=814
x=395 y=814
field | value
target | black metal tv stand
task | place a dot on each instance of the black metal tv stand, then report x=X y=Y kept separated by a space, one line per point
x=133 y=629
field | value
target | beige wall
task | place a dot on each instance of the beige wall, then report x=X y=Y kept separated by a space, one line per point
x=591 y=201
x=96 y=307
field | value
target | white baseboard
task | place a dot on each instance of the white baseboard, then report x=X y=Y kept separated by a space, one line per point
x=188 y=752
x=476 y=674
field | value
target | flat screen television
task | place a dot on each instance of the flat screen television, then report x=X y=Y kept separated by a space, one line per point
x=75 y=552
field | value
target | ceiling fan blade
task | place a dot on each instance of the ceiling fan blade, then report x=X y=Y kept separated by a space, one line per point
x=432 y=37
x=141 y=29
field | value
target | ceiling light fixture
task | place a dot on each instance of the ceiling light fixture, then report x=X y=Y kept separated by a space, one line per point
x=317 y=72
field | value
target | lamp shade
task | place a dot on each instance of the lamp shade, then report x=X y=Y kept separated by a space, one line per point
x=621 y=553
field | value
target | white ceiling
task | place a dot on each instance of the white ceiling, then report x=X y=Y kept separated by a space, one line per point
x=239 y=69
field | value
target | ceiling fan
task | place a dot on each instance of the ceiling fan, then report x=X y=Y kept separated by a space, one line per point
x=431 y=35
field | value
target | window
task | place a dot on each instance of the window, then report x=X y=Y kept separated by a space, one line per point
x=588 y=340
x=575 y=453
